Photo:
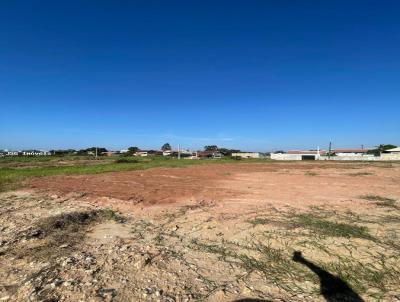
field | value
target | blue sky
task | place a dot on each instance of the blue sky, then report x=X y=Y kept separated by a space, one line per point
x=255 y=75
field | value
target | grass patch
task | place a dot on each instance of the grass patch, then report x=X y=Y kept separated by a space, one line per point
x=126 y=160
x=222 y=252
x=360 y=174
x=61 y=233
x=377 y=198
x=363 y=276
x=329 y=228
x=310 y=173
x=272 y=263
x=381 y=201
x=109 y=214
x=258 y=221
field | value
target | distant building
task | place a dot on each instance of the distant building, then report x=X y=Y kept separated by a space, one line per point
x=167 y=152
x=247 y=154
x=299 y=155
x=141 y=153
x=393 y=151
x=209 y=154
x=350 y=152
x=391 y=154
x=109 y=153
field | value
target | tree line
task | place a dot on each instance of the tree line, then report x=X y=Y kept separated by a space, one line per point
x=133 y=149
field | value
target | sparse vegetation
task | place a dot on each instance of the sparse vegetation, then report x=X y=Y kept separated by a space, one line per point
x=381 y=201
x=329 y=228
x=61 y=233
x=311 y=173
x=11 y=175
x=126 y=160
x=377 y=198
x=361 y=174
x=202 y=249
x=258 y=220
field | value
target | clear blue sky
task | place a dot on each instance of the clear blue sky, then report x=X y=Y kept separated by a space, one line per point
x=255 y=75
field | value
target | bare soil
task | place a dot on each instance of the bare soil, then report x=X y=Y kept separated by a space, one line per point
x=240 y=185
x=205 y=233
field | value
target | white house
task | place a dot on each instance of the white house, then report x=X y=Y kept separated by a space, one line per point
x=141 y=153
x=393 y=151
x=350 y=152
x=391 y=154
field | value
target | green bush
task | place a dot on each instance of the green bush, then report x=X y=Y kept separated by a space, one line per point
x=126 y=160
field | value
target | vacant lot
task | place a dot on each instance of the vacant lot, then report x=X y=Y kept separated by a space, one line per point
x=272 y=231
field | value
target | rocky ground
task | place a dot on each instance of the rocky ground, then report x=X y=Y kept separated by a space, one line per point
x=70 y=247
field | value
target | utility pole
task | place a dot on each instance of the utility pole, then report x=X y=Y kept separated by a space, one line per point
x=330 y=149
x=96 y=152
x=179 y=151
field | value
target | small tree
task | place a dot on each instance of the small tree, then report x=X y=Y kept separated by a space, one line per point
x=211 y=148
x=166 y=147
x=132 y=150
x=227 y=152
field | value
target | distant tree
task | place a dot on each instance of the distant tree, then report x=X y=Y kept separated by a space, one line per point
x=211 y=148
x=82 y=152
x=132 y=150
x=379 y=149
x=166 y=147
x=227 y=152
x=62 y=152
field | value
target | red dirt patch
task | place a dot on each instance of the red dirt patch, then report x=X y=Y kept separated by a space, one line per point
x=294 y=184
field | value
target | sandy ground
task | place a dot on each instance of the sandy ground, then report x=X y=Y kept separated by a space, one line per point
x=205 y=233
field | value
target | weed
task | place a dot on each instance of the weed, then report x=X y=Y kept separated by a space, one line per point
x=125 y=160
x=258 y=220
x=329 y=228
x=66 y=230
x=388 y=204
x=212 y=249
x=381 y=201
x=110 y=214
x=158 y=239
x=360 y=174
x=311 y=173
x=376 y=198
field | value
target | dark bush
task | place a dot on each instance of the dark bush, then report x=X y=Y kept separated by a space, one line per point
x=126 y=160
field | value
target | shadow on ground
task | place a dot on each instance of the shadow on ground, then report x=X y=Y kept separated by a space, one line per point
x=332 y=288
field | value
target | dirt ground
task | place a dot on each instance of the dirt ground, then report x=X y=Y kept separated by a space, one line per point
x=220 y=232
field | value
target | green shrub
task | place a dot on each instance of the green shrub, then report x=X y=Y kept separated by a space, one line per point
x=126 y=160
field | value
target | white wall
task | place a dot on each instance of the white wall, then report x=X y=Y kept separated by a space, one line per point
x=351 y=157
x=390 y=156
x=383 y=157
x=279 y=156
x=247 y=154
